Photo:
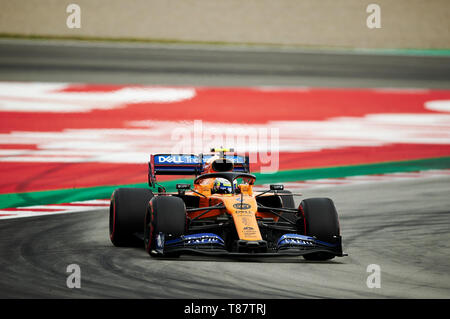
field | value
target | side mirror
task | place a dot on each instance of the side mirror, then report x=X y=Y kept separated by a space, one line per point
x=276 y=187
x=182 y=188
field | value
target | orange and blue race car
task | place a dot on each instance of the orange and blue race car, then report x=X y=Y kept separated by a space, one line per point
x=221 y=214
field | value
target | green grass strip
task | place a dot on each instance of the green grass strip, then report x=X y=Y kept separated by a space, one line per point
x=79 y=194
x=410 y=52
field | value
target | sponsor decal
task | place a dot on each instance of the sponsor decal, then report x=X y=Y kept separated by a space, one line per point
x=242 y=206
x=235 y=159
x=176 y=159
x=295 y=240
x=298 y=242
x=205 y=240
x=192 y=159
x=244 y=213
x=249 y=232
x=197 y=239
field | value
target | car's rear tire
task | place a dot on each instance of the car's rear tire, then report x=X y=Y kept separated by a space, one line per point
x=321 y=221
x=126 y=215
x=166 y=215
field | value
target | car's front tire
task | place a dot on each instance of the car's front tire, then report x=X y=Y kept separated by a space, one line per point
x=320 y=221
x=165 y=215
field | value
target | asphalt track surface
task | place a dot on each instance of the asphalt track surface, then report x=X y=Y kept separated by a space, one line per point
x=130 y=63
x=401 y=226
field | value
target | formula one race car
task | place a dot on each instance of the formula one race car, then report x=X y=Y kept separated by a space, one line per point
x=221 y=215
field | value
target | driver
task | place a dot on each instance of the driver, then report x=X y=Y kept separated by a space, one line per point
x=223 y=186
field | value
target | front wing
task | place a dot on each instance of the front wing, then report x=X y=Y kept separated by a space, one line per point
x=214 y=245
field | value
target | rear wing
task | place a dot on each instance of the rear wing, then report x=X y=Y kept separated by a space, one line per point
x=188 y=164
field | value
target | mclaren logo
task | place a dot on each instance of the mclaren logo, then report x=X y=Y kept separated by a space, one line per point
x=242 y=206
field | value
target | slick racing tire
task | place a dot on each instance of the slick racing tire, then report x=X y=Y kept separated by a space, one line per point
x=126 y=215
x=321 y=221
x=166 y=216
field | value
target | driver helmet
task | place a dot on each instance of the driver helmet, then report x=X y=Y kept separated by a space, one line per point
x=223 y=186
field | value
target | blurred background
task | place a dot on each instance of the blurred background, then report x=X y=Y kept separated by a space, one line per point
x=358 y=93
